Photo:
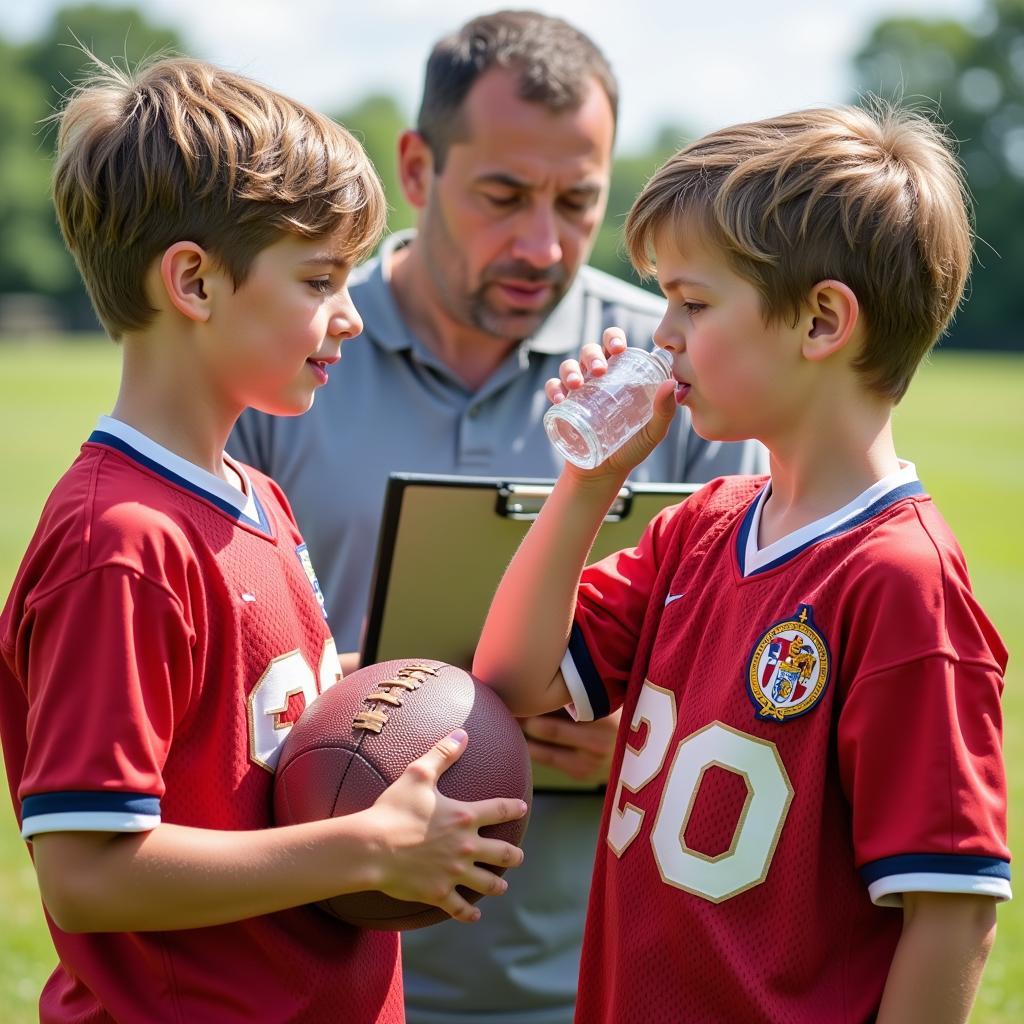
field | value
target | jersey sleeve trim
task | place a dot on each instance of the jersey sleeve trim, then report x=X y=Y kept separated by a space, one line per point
x=589 y=697
x=887 y=879
x=79 y=811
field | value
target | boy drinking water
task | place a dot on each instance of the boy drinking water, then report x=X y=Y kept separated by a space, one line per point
x=165 y=627
x=806 y=820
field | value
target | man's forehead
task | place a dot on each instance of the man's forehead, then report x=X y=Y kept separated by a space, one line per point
x=517 y=135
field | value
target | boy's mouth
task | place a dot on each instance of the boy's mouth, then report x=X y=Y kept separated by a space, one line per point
x=319 y=367
x=682 y=392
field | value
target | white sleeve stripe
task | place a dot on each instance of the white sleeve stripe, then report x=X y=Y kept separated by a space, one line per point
x=888 y=891
x=79 y=821
x=580 y=709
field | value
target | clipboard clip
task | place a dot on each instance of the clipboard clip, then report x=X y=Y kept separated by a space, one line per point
x=524 y=501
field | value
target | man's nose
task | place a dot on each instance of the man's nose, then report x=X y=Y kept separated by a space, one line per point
x=537 y=241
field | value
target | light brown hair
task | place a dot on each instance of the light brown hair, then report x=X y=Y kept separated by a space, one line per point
x=555 y=63
x=874 y=198
x=181 y=150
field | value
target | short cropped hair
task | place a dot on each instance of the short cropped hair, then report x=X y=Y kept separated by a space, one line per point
x=181 y=150
x=874 y=198
x=555 y=63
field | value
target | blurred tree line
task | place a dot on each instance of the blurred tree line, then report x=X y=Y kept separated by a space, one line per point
x=970 y=75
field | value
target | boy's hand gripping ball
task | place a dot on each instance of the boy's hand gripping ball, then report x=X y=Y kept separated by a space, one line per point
x=356 y=738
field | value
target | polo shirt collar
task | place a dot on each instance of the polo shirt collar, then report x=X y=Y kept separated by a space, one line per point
x=382 y=320
x=559 y=334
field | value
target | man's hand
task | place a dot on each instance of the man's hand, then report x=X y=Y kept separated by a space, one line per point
x=349 y=662
x=582 y=750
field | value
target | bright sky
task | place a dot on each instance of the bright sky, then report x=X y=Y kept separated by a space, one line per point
x=698 y=66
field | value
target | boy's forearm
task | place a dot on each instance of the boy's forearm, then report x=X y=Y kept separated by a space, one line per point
x=524 y=636
x=180 y=877
x=939 y=960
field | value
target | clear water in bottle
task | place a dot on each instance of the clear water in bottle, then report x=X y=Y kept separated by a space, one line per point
x=598 y=418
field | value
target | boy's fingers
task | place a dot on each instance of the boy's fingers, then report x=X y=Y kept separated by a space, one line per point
x=459 y=908
x=497 y=853
x=485 y=882
x=442 y=755
x=614 y=340
x=495 y=811
x=593 y=360
x=665 y=409
x=554 y=390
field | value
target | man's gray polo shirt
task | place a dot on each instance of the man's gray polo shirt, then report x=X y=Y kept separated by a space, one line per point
x=391 y=405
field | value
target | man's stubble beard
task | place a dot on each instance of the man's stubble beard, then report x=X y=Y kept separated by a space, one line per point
x=503 y=324
x=473 y=308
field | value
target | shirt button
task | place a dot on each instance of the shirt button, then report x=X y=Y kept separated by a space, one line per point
x=473 y=412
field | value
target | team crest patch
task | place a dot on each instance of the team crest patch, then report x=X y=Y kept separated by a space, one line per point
x=789 y=668
x=307 y=565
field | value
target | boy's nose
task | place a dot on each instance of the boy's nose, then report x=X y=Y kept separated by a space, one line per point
x=346 y=323
x=667 y=338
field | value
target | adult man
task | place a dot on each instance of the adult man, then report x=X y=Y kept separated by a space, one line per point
x=463 y=322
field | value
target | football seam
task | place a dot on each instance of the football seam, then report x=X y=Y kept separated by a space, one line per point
x=344 y=775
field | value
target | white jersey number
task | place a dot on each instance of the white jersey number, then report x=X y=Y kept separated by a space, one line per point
x=285 y=678
x=769 y=794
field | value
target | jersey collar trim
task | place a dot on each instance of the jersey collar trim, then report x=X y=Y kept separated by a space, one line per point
x=245 y=507
x=868 y=504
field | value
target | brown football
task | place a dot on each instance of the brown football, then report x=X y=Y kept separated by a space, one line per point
x=356 y=738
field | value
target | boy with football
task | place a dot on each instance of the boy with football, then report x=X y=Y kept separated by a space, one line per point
x=165 y=628
x=806 y=820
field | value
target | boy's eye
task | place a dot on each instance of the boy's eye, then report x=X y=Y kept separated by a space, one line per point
x=693 y=307
x=320 y=284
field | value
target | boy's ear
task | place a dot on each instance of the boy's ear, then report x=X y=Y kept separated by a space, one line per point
x=185 y=272
x=833 y=313
x=415 y=167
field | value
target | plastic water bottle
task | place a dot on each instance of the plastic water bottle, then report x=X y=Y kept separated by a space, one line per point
x=601 y=416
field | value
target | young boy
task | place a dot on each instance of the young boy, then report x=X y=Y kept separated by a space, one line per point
x=164 y=629
x=810 y=693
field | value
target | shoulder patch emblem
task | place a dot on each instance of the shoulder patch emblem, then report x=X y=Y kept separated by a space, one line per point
x=789 y=668
x=307 y=566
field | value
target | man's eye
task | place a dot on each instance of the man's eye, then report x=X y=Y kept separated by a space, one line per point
x=501 y=202
x=576 y=205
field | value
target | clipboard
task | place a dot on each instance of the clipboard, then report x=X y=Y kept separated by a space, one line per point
x=443 y=545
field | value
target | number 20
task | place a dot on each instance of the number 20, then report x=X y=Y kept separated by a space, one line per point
x=284 y=678
x=769 y=794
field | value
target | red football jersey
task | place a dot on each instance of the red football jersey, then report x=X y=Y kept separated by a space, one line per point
x=809 y=730
x=162 y=633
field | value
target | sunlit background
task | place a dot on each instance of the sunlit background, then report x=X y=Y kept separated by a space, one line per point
x=684 y=69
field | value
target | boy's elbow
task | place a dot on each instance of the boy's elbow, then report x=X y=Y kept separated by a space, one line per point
x=71 y=890
x=70 y=909
x=525 y=703
x=509 y=696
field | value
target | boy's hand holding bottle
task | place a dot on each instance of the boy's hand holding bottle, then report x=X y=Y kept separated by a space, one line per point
x=611 y=407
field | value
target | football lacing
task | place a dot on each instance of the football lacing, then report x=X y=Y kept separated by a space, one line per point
x=408 y=678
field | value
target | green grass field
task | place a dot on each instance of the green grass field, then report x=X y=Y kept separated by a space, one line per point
x=963 y=424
